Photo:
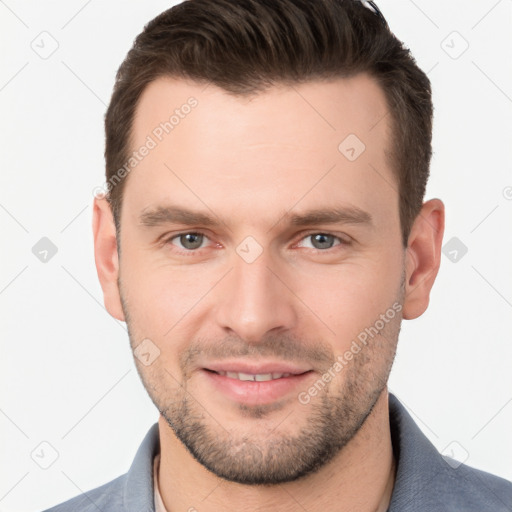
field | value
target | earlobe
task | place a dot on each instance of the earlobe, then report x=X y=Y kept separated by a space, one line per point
x=423 y=258
x=106 y=256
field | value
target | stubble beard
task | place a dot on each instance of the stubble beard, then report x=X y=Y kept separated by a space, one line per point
x=258 y=457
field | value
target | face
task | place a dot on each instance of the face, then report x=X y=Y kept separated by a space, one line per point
x=262 y=269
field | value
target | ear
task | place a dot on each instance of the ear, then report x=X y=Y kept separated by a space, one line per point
x=423 y=257
x=106 y=257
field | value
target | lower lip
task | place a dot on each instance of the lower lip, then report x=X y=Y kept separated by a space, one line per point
x=257 y=393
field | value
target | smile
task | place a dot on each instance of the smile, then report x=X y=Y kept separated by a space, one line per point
x=257 y=387
x=259 y=377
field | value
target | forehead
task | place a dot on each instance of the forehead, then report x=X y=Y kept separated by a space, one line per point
x=321 y=141
x=327 y=109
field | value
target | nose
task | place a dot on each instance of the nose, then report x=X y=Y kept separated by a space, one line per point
x=255 y=301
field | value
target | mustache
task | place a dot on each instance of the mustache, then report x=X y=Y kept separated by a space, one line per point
x=280 y=347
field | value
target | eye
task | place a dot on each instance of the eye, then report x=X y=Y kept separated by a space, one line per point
x=188 y=241
x=320 y=241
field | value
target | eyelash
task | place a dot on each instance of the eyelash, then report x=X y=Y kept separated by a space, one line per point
x=168 y=240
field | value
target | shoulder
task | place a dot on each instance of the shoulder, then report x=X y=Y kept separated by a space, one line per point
x=132 y=491
x=427 y=480
x=473 y=489
x=107 y=497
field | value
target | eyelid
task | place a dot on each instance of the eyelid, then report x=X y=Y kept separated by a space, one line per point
x=342 y=237
x=167 y=238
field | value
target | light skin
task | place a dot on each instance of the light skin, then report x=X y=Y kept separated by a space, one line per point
x=257 y=167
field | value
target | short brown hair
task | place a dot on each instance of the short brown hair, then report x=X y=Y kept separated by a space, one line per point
x=246 y=46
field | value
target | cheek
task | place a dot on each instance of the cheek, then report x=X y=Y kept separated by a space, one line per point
x=157 y=308
x=160 y=297
x=352 y=297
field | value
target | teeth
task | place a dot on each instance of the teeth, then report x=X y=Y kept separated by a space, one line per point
x=246 y=376
x=263 y=377
x=259 y=377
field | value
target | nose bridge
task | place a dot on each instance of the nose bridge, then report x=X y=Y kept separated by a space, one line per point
x=254 y=301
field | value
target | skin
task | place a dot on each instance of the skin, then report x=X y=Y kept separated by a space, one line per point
x=248 y=163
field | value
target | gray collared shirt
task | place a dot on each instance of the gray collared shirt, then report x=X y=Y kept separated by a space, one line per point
x=425 y=480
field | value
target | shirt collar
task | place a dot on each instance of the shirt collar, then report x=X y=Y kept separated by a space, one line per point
x=159 y=504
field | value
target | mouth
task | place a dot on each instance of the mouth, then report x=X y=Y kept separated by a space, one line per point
x=257 y=386
x=257 y=377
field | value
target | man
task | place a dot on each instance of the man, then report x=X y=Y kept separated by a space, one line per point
x=263 y=236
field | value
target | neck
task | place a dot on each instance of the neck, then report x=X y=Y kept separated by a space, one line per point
x=360 y=477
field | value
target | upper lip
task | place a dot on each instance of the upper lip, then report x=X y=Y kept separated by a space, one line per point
x=257 y=368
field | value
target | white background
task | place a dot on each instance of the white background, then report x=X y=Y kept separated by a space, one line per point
x=66 y=370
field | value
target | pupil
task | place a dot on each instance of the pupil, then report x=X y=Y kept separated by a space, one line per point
x=191 y=240
x=322 y=241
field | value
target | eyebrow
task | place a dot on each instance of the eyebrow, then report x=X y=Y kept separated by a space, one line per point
x=345 y=215
x=174 y=215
